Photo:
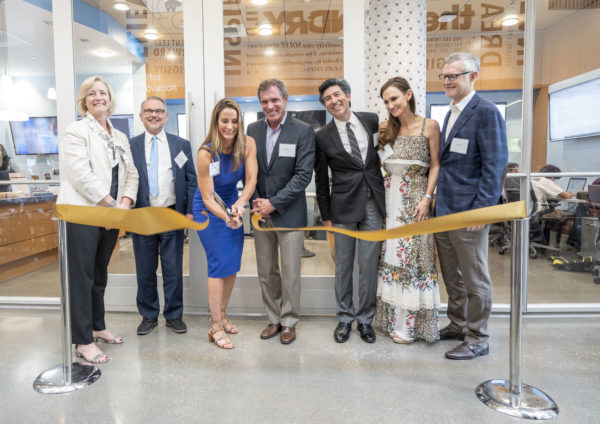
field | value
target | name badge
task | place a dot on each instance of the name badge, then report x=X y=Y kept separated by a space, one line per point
x=214 y=169
x=386 y=152
x=287 y=150
x=459 y=145
x=181 y=159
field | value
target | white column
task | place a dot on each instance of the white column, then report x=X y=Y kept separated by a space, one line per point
x=395 y=45
x=64 y=68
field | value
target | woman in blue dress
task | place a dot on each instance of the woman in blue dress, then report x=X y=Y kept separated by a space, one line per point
x=226 y=157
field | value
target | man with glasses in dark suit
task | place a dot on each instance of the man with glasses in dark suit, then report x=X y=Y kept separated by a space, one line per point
x=473 y=155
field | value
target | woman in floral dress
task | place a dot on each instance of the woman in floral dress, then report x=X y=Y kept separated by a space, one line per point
x=408 y=293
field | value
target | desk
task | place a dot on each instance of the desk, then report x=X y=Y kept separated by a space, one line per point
x=28 y=235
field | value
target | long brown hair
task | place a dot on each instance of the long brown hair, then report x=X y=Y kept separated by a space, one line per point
x=214 y=138
x=393 y=128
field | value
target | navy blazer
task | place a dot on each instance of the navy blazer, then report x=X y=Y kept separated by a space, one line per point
x=284 y=179
x=184 y=177
x=346 y=201
x=472 y=180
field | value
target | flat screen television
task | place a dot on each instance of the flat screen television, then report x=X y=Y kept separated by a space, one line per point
x=36 y=136
x=573 y=111
x=438 y=112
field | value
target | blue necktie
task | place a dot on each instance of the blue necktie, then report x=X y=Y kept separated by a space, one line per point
x=153 y=175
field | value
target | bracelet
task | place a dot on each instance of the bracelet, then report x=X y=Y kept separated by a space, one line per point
x=428 y=196
x=112 y=203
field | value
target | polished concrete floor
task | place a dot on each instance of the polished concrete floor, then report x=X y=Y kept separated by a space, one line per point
x=169 y=378
x=546 y=284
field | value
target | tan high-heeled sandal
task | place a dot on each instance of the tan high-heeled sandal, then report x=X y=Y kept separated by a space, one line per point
x=228 y=325
x=216 y=334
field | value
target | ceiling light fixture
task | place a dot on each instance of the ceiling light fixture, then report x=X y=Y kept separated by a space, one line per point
x=104 y=53
x=51 y=95
x=151 y=34
x=510 y=20
x=121 y=6
x=259 y=2
x=447 y=17
x=265 y=29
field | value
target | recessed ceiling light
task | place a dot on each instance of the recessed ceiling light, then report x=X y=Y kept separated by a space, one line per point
x=259 y=2
x=265 y=29
x=151 y=34
x=104 y=53
x=269 y=52
x=510 y=20
x=51 y=93
x=120 y=6
x=447 y=17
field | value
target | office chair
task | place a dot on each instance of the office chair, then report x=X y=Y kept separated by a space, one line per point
x=536 y=225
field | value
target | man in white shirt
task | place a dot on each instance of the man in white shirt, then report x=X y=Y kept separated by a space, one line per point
x=545 y=188
x=167 y=179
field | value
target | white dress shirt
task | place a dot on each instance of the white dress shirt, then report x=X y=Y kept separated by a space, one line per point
x=455 y=110
x=361 y=135
x=273 y=136
x=166 y=183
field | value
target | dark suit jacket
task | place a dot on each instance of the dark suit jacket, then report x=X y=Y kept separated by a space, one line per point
x=184 y=177
x=346 y=201
x=284 y=179
x=472 y=180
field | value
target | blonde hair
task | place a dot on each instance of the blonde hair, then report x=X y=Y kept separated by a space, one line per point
x=214 y=138
x=83 y=92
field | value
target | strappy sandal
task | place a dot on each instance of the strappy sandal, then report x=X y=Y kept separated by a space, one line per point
x=228 y=325
x=217 y=334
x=100 y=358
x=115 y=340
x=397 y=339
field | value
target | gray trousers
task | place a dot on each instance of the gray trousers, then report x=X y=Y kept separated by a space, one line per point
x=368 y=265
x=464 y=264
x=280 y=289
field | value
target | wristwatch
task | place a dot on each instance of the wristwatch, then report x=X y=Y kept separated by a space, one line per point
x=428 y=196
x=112 y=203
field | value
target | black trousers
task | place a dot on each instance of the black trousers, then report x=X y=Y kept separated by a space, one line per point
x=89 y=250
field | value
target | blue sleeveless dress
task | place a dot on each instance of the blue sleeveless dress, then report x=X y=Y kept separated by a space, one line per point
x=223 y=245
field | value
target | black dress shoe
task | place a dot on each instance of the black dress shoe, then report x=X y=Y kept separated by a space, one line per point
x=367 y=333
x=342 y=332
x=447 y=333
x=468 y=350
x=146 y=326
x=177 y=325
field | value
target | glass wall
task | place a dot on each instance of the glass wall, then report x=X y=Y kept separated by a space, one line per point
x=29 y=151
x=566 y=134
x=300 y=43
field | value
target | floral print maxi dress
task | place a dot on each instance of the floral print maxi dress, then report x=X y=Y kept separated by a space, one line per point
x=408 y=292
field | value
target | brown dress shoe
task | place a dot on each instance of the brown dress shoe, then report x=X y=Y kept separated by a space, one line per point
x=270 y=331
x=288 y=335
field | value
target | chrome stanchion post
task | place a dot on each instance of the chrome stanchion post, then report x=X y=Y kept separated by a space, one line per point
x=69 y=376
x=513 y=397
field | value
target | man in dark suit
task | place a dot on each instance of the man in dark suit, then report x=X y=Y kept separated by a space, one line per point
x=285 y=149
x=167 y=179
x=473 y=155
x=356 y=201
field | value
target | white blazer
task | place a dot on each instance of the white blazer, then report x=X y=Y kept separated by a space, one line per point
x=85 y=168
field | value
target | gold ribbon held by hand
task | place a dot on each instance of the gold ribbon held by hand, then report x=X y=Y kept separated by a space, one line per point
x=482 y=216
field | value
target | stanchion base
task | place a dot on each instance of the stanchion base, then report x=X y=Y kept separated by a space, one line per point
x=532 y=404
x=51 y=380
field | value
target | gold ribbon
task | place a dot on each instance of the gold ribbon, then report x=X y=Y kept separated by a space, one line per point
x=144 y=221
x=482 y=216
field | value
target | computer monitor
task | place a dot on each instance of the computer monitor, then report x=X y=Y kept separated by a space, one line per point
x=576 y=184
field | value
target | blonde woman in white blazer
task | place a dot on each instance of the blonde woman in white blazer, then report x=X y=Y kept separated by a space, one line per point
x=96 y=169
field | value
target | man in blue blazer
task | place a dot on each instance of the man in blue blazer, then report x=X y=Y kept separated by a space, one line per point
x=285 y=150
x=167 y=179
x=473 y=154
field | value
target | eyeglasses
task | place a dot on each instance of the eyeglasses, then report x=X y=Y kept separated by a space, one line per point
x=452 y=77
x=151 y=111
